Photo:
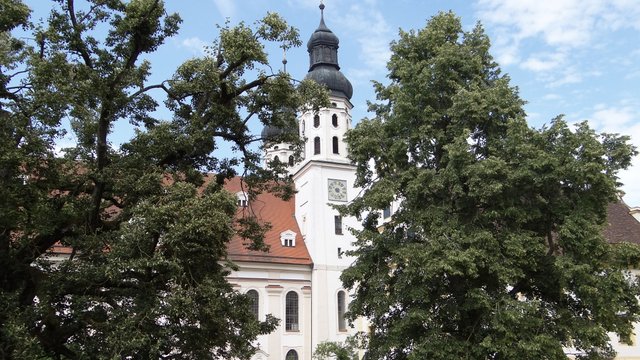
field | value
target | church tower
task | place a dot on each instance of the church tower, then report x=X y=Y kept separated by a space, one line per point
x=325 y=178
x=325 y=129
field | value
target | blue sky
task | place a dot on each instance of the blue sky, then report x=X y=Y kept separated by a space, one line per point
x=580 y=58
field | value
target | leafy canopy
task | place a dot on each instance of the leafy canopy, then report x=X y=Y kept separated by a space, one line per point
x=146 y=230
x=495 y=250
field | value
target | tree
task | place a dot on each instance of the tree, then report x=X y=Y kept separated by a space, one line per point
x=495 y=251
x=145 y=277
x=346 y=350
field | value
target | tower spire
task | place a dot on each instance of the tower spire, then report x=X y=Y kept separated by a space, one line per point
x=284 y=58
x=323 y=59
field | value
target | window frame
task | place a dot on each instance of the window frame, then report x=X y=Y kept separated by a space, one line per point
x=337 y=224
x=254 y=306
x=387 y=212
x=291 y=355
x=292 y=312
x=341 y=310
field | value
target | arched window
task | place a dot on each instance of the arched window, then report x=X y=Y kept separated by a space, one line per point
x=334 y=120
x=316 y=146
x=290 y=160
x=291 y=355
x=276 y=158
x=342 y=324
x=316 y=120
x=291 y=312
x=254 y=305
x=335 y=145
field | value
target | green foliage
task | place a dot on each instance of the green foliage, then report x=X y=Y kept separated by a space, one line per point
x=347 y=350
x=496 y=251
x=147 y=231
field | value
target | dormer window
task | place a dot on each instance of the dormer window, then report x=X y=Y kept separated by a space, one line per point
x=243 y=199
x=288 y=238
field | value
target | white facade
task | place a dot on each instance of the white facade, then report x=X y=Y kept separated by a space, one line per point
x=326 y=234
x=273 y=282
x=323 y=179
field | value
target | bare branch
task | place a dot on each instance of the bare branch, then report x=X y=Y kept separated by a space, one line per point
x=151 y=87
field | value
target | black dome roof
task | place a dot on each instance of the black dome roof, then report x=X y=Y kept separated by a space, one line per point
x=323 y=60
x=332 y=78
x=322 y=36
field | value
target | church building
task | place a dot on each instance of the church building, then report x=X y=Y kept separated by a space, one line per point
x=298 y=279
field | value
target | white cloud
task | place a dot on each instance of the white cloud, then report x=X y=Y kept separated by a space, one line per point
x=614 y=118
x=632 y=75
x=544 y=62
x=194 y=44
x=561 y=25
x=226 y=7
x=567 y=76
x=623 y=119
x=368 y=26
x=552 y=96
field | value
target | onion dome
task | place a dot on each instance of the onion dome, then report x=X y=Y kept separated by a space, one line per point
x=271 y=131
x=323 y=60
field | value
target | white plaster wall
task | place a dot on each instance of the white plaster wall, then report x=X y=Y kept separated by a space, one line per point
x=273 y=282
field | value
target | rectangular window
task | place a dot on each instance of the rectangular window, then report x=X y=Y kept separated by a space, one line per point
x=291 y=312
x=386 y=213
x=338 y=224
x=339 y=253
x=342 y=308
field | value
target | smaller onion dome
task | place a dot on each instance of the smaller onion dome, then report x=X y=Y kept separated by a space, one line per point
x=270 y=131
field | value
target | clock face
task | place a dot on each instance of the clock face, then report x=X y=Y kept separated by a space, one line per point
x=337 y=190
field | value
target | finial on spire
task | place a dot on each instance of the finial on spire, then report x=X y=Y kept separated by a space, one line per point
x=284 y=58
x=321 y=8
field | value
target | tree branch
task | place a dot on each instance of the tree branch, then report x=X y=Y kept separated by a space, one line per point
x=151 y=87
x=82 y=49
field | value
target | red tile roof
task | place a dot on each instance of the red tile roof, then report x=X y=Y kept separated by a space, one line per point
x=281 y=215
x=621 y=225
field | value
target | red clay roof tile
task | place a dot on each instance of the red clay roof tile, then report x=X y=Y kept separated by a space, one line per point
x=621 y=225
x=281 y=215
